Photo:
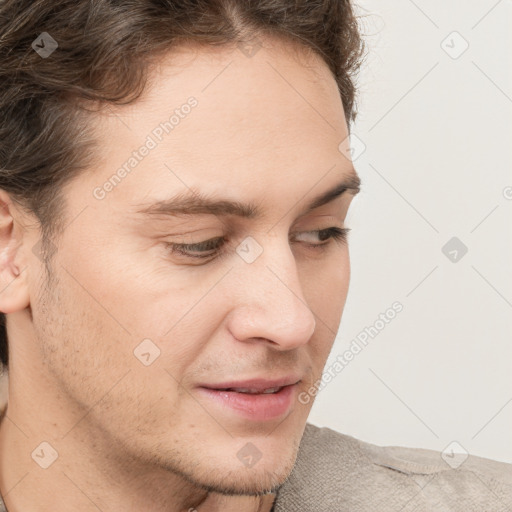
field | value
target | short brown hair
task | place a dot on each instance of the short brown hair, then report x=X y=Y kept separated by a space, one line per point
x=102 y=55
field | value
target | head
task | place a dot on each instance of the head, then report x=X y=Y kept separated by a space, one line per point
x=173 y=123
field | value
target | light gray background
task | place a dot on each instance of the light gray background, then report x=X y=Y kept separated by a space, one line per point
x=438 y=157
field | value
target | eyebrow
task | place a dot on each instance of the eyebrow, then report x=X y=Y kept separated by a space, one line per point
x=196 y=203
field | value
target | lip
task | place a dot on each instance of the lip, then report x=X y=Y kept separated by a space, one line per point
x=258 y=383
x=253 y=406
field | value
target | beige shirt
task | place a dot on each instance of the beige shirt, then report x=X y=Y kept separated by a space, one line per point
x=335 y=472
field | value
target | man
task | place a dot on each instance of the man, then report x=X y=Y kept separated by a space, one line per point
x=175 y=263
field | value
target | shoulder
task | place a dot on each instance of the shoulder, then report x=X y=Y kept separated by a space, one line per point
x=337 y=470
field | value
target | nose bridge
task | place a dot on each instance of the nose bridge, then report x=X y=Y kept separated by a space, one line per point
x=274 y=306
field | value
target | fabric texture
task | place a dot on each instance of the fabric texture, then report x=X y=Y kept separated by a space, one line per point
x=335 y=472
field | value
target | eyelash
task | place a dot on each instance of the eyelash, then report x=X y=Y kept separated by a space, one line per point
x=334 y=234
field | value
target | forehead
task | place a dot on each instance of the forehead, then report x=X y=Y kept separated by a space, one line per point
x=273 y=120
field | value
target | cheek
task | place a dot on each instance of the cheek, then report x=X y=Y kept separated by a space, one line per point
x=326 y=290
x=91 y=358
x=79 y=347
x=123 y=303
x=325 y=284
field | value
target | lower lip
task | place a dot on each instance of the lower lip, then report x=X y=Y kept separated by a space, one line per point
x=257 y=407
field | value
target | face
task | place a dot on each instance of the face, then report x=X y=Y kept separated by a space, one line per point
x=153 y=313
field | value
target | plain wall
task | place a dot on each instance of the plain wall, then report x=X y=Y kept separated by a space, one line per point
x=437 y=162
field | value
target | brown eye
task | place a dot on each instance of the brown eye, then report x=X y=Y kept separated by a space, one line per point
x=202 y=249
x=211 y=248
x=333 y=233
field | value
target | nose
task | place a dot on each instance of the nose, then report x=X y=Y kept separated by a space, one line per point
x=271 y=304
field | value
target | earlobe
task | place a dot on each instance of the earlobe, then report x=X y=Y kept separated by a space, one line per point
x=14 y=294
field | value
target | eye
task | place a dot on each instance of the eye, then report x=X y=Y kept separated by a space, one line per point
x=209 y=248
x=202 y=249
x=339 y=235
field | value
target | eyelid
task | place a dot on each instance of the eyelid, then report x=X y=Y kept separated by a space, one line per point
x=304 y=223
x=335 y=234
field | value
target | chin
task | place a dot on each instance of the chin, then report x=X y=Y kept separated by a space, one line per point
x=248 y=482
x=236 y=475
x=253 y=471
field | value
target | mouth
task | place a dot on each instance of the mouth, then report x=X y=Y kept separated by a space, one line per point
x=256 y=400
x=253 y=391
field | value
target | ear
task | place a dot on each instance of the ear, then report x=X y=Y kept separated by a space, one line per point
x=14 y=295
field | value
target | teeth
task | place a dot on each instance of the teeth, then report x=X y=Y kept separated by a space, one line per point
x=254 y=391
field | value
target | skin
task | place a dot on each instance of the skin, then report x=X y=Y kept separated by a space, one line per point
x=133 y=437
